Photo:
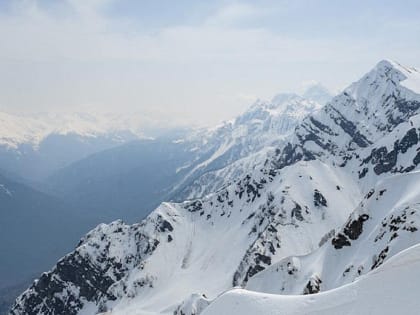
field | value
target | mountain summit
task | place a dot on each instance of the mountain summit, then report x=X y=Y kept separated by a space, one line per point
x=318 y=93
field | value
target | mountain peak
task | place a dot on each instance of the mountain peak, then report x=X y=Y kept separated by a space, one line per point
x=318 y=93
x=281 y=98
x=390 y=68
x=387 y=64
x=385 y=80
x=395 y=71
x=281 y=105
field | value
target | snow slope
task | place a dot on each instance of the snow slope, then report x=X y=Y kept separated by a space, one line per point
x=386 y=222
x=184 y=240
x=390 y=289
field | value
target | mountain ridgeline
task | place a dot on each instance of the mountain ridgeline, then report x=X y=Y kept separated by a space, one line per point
x=137 y=176
x=53 y=193
x=327 y=204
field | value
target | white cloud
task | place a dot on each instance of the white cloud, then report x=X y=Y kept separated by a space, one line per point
x=35 y=34
x=74 y=54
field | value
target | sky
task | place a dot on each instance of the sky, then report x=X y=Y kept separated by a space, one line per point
x=190 y=61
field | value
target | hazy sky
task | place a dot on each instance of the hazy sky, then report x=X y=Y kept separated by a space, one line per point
x=193 y=61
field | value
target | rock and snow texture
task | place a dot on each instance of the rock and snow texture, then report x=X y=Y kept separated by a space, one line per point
x=355 y=160
x=386 y=222
x=234 y=148
x=177 y=242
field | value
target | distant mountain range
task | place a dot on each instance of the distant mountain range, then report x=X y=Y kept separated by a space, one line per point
x=34 y=146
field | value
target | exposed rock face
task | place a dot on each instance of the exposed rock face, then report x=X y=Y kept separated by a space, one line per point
x=87 y=274
x=351 y=231
x=319 y=199
x=313 y=285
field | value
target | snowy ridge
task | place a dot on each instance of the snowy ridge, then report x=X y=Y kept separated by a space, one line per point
x=293 y=202
x=330 y=137
x=386 y=222
x=237 y=146
x=190 y=239
x=354 y=121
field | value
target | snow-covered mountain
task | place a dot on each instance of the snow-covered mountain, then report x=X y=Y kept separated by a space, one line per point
x=318 y=93
x=209 y=238
x=34 y=146
x=112 y=183
x=235 y=147
x=385 y=222
x=128 y=181
x=334 y=200
x=32 y=129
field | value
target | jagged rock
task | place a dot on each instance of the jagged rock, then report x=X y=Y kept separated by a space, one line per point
x=319 y=199
x=313 y=285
